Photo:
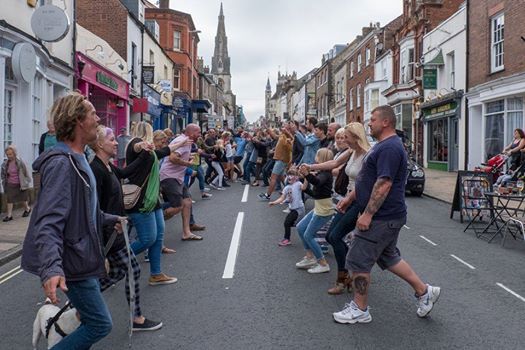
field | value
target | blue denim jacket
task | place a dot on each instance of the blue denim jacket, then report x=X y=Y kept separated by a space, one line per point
x=311 y=145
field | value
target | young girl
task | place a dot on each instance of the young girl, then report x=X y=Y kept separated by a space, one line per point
x=292 y=195
x=323 y=211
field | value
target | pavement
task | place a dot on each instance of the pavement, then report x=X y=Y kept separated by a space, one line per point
x=269 y=304
x=439 y=185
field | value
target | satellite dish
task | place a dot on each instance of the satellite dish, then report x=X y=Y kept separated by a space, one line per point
x=50 y=23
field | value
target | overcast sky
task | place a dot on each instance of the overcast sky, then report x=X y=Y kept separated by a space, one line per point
x=265 y=35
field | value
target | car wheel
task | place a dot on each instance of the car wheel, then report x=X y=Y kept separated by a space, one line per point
x=416 y=193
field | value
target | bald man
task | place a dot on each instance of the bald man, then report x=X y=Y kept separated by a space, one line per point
x=172 y=186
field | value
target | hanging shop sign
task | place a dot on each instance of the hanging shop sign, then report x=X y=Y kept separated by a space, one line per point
x=50 y=23
x=165 y=85
x=24 y=62
x=430 y=78
x=106 y=80
x=148 y=75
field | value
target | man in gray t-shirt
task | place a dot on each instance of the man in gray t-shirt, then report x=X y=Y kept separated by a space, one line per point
x=123 y=139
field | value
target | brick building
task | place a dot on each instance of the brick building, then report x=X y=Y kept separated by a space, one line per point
x=405 y=95
x=495 y=75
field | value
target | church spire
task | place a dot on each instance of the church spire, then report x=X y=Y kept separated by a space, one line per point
x=220 y=63
x=268 y=86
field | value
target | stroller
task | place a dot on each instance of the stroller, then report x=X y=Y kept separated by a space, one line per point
x=494 y=166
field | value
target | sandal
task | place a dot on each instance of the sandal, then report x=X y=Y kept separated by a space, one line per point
x=192 y=237
x=166 y=250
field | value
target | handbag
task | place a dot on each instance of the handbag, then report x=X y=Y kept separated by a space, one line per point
x=131 y=194
x=341 y=182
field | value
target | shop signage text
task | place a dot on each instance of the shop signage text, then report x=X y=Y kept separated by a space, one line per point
x=430 y=78
x=107 y=81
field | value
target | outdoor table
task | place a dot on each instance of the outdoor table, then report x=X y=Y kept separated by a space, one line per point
x=501 y=206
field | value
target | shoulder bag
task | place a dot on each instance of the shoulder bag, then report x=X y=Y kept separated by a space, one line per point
x=131 y=194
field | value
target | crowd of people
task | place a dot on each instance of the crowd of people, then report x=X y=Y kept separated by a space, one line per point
x=75 y=230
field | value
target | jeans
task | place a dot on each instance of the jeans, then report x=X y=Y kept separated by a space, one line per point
x=342 y=224
x=95 y=318
x=200 y=177
x=150 y=232
x=218 y=169
x=249 y=171
x=307 y=228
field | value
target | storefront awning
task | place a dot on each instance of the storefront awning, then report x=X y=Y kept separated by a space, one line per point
x=200 y=106
x=436 y=61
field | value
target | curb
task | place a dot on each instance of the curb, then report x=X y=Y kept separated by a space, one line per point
x=10 y=255
x=436 y=198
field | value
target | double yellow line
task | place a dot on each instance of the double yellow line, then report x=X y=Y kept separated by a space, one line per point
x=10 y=274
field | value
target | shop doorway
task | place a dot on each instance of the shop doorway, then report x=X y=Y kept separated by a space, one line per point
x=454 y=145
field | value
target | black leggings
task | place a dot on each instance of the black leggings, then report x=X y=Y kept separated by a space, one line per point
x=342 y=224
x=290 y=222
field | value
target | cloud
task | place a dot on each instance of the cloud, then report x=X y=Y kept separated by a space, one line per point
x=290 y=35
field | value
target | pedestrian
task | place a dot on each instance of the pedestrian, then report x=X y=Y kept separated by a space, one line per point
x=261 y=143
x=282 y=157
x=123 y=139
x=330 y=136
x=174 y=191
x=111 y=201
x=146 y=214
x=169 y=134
x=298 y=148
x=48 y=139
x=17 y=180
x=311 y=143
x=380 y=194
x=347 y=213
x=62 y=244
x=321 y=191
x=229 y=151
x=292 y=195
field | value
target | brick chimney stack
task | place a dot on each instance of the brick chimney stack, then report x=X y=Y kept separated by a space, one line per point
x=164 y=4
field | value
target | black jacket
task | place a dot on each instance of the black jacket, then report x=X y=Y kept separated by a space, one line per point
x=321 y=185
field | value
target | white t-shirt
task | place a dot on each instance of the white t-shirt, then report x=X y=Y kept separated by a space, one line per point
x=293 y=196
x=354 y=165
x=229 y=150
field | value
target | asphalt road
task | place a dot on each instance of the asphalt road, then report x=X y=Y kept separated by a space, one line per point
x=269 y=304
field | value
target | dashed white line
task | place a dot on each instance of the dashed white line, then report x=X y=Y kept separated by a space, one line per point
x=428 y=240
x=229 y=268
x=511 y=291
x=10 y=274
x=245 y=194
x=463 y=262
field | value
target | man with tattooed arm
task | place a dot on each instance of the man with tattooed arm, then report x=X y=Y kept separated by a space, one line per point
x=380 y=193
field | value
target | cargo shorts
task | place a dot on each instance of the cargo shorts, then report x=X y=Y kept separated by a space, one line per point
x=377 y=245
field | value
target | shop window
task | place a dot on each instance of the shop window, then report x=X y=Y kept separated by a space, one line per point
x=438 y=130
x=36 y=114
x=497 y=39
x=9 y=106
x=494 y=128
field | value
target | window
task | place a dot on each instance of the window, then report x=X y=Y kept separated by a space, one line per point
x=9 y=105
x=497 y=38
x=374 y=99
x=176 y=40
x=407 y=65
x=494 y=128
x=176 y=79
x=367 y=100
x=133 y=65
x=151 y=58
x=352 y=69
x=367 y=56
x=451 y=67
x=351 y=99
x=514 y=117
x=165 y=72
x=358 y=96
x=36 y=114
x=438 y=136
x=403 y=113
x=359 y=62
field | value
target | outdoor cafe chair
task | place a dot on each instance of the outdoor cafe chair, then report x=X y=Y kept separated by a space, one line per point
x=519 y=228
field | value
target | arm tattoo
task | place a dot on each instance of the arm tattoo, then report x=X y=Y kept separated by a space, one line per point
x=378 y=196
x=361 y=285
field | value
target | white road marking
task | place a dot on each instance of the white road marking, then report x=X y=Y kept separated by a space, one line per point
x=463 y=262
x=405 y=226
x=245 y=194
x=229 y=268
x=428 y=240
x=511 y=291
x=10 y=274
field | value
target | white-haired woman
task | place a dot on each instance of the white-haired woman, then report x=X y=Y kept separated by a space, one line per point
x=16 y=181
x=345 y=219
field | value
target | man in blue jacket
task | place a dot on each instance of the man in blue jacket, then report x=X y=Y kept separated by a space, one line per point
x=63 y=242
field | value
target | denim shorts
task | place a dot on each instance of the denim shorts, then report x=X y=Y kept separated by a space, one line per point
x=377 y=245
x=279 y=167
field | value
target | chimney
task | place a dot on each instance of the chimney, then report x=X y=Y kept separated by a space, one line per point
x=164 y=4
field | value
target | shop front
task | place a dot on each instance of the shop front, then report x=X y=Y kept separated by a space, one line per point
x=181 y=113
x=107 y=91
x=441 y=127
x=154 y=110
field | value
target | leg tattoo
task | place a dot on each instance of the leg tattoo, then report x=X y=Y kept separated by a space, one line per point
x=361 y=285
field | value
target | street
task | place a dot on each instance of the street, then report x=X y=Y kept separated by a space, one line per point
x=269 y=304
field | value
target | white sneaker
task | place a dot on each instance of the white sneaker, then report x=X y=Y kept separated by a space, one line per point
x=220 y=188
x=287 y=210
x=207 y=189
x=318 y=268
x=306 y=263
x=352 y=314
x=426 y=302
x=213 y=186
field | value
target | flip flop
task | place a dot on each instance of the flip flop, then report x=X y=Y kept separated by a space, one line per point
x=192 y=238
x=166 y=250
